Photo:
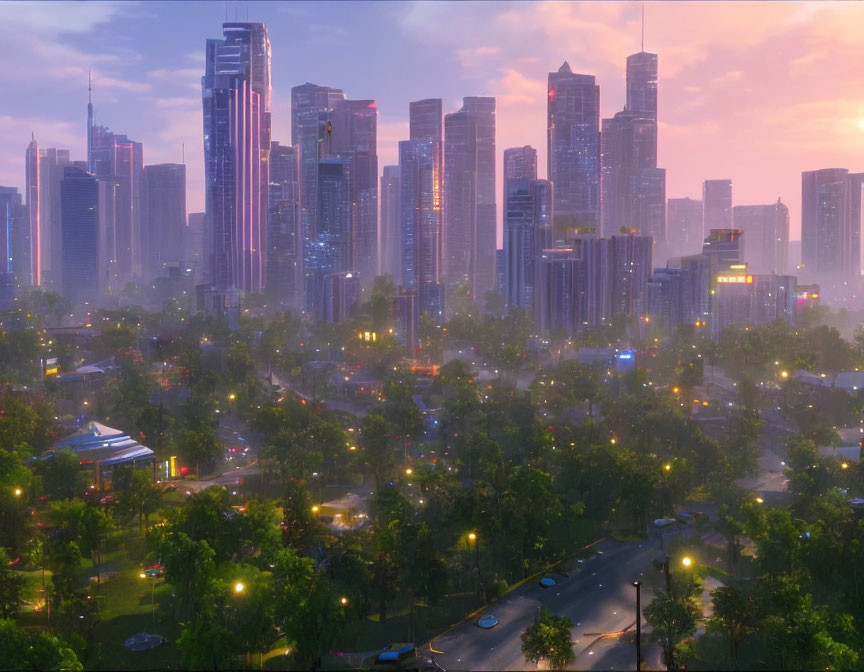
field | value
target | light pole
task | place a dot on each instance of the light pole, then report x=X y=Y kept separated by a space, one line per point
x=473 y=540
x=638 y=587
x=18 y=493
x=152 y=594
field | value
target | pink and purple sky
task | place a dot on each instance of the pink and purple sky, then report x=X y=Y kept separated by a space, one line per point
x=752 y=91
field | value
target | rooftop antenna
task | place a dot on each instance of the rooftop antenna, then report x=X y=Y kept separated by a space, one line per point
x=643 y=26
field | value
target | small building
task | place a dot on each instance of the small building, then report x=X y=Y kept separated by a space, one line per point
x=101 y=448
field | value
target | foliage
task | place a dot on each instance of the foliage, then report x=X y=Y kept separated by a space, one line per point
x=549 y=638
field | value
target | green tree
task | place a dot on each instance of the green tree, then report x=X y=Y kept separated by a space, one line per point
x=23 y=649
x=734 y=617
x=549 y=638
x=377 y=451
x=673 y=618
x=11 y=587
x=60 y=474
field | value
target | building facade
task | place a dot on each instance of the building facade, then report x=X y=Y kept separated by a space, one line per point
x=80 y=240
x=716 y=205
x=284 y=242
x=390 y=258
x=765 y=236
x=164 y=217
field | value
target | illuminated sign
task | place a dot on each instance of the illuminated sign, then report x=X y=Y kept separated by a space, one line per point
x=367 y=336
x=736 y=279
x=52 y=368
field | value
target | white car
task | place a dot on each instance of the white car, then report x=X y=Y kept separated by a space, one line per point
x=664 y=522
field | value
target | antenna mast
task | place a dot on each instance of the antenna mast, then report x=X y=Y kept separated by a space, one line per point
x=643 y=26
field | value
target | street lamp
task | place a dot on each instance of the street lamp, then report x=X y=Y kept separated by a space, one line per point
x=759 y=500
x=152 y=594
x=638 y=586
x=409 y=471
x=842 y=466
x=686 y=561
x=344 y=601
x=239 y=587
x=315 y=509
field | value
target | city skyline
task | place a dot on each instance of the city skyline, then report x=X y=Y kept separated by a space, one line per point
x=803 y=121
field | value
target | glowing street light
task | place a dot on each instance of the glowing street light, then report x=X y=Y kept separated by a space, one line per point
x=232 y=397
x=344 y=601
x=686 y=561
x=315 y=509
x=842 y=466
x=667 y=467
x=239 y=587
x=784 y=375
x=18 y=491
x=409 y=471
x=472 y=536
x=759 y=500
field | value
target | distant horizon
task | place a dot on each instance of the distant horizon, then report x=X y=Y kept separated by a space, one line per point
x=751 y=111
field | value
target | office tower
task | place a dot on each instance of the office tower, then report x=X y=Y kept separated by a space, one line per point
x=236 y=101
x=79 y=198
x=311 y=106
x=406 y=314
x=573 y=151
x=334 y=239
x=765 y=239
x=831 y=222
x=194 y=238
x=32 y=175
x=665 y=298
x=52 y=163
x=355 y=139
x=500 y=266
x=528 y=207
x=557 y=303
x=520 y=163
x=285 y=246
x=696 y=281
x=469 y=196
x=118 y=163
x=164 y=217
x=390 y=259
x=684 y=231
x=716 y=205
x=633 y=188
x=420 y=223
x=630 y=265
x=774 y=297
x=723 y=247
x=14 y=238
x=593 y=295
x=730 y=299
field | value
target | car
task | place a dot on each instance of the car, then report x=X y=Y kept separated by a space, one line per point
x=664 y=522
x=487 y=622
x=547 y=582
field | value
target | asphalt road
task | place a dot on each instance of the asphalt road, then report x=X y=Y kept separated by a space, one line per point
x=600 y=599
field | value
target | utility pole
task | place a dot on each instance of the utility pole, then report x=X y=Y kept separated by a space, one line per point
x=638 y=587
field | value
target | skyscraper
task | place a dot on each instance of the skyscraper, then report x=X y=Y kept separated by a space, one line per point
x=420 y=223
x=52 y=163
x=285 y=248
x=391 y=256
x=236 y=99
x=573 y=139
x=79 y=197
x=14 y=244
x=630 y=266
x=557 y=303
x=633 y=189
x=469 y=196
x=164 y=217
x=311 y=106
x=716 y=205
x=528 y=202
x=32 y=174
x=426 y=122
x=520 y=163
x=831 y=222
x=334 y=217
x=355 y=139
x=194 y=240
x=684 y=229
x=765 y=239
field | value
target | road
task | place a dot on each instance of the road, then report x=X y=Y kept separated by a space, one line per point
x=600 y=598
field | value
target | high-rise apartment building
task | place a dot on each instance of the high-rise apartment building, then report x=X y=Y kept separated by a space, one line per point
x=831 y=223
x=194 y=241
x=390 y=258
x=164 y=217
x=52 y=163
x=14 y=233
x=334 y=238
x=80 y=240
x=716 y=205
x=765 y=238
x=573 y=151
x=236 y=98
x=469 y=196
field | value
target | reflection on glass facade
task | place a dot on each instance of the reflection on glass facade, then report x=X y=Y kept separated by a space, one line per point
x=236 y=100
x=573 y=144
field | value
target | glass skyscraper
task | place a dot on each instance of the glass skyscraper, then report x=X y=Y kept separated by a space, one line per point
x=469 y=196
x=573 y=143
x=236 y=100
x=765 y=239
x=164 y=217
x=420 y=222
x=79 y=203
x=716 y=205
x=285 y=249
x=390 y=259
x=31 y=163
